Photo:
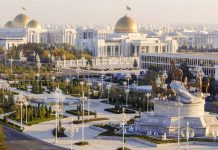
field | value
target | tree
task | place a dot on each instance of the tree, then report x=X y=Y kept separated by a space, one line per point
x=135 y=64
x=2 y=139
x=5 y=119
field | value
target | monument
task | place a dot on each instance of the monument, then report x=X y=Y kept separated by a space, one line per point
x=175 y=107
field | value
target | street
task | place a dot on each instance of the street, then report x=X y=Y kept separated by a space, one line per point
x=19 y=141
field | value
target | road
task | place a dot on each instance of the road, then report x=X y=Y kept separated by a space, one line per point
x=18 y=141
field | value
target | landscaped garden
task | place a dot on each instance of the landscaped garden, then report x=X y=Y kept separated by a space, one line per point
x=35 y=115
x=89 y=120
x=80 y=113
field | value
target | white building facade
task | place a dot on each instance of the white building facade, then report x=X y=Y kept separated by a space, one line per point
x=208 y=61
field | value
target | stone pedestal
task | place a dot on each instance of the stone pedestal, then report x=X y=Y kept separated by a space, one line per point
x=165 y=118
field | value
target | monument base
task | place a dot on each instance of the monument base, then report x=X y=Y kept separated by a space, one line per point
x=165 y=119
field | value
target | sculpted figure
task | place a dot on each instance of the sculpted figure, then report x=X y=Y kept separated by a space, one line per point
x=177 y=73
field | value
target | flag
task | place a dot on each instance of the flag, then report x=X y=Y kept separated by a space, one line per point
x=128 y=8
x=23 y=8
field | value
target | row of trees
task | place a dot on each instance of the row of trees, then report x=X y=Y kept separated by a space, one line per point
x=2 y=139
x=33 y=113
x=57 y=50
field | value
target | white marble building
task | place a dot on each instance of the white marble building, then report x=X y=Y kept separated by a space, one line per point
x=124 y=41
x=23 y=30
x=208 y=61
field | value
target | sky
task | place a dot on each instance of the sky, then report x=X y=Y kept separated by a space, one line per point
x=109 y=11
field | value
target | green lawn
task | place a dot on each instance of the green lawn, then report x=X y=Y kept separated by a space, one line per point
x=37 y=121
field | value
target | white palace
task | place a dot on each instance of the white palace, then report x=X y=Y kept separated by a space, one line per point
x=23 y=30
x=124 y=41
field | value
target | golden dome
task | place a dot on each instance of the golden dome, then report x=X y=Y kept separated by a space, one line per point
x=125 y=25
x=9 y=24
x=21 y=20
x=34 y=24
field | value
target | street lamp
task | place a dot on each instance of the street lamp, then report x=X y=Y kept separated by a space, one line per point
x=72 y=130
x=20 y=99
x=83 y=98
x=26 y=104
x=56 y=108
x=11 y=63
x=127 y=96
x=37 y=79
x=100 y=85
x=137 y=79
x=67 y=80
x=78 y=70
x=148 y=100
x=102 y=80
x=82 y=84
x=89 y=92
x=109 y=88
x=187 y=133
x=179 y=104
x=4 y=86
x=123 y=122
x=53 y=79
x=49 y=57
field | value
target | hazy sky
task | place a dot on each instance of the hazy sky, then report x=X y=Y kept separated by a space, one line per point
x=109 y=11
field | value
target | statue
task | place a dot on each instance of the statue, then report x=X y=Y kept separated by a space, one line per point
x=206 y=84
x=177 y=73
x=170 y=94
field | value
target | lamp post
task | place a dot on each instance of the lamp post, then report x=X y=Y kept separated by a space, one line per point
x=83 y=98
x=99 y=85
x=78 y=70
x=187 y=133
x=26 y=104
x=148 y=101
x=34 y=55
x=127 y=96
x=67 y=80
x=56 y=108
x=179 y=104
x=53 y=79
x=72 y=130
x=89 y=92
x=137 y=79
x=49 y=57
x=11 y=64
x=37 y=79
x=82 y=84
x=123 y=122
x=20 y=99
x=108 y=88
x=102 y=81
x=4 y=86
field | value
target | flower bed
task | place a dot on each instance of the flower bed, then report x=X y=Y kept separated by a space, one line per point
x=76 y=112
x=89 y=120
x=113 y=110
x=82 y=143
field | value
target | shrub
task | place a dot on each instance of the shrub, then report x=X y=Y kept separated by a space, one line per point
x=60 y=132
x=125 y=148
x=82 y=143
x=113 y=110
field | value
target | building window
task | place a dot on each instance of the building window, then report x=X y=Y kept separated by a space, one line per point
x=108 y=50
x=116 y=51
x=156 y=49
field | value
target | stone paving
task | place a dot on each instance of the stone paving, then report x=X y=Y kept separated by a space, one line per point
x=43 y=131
